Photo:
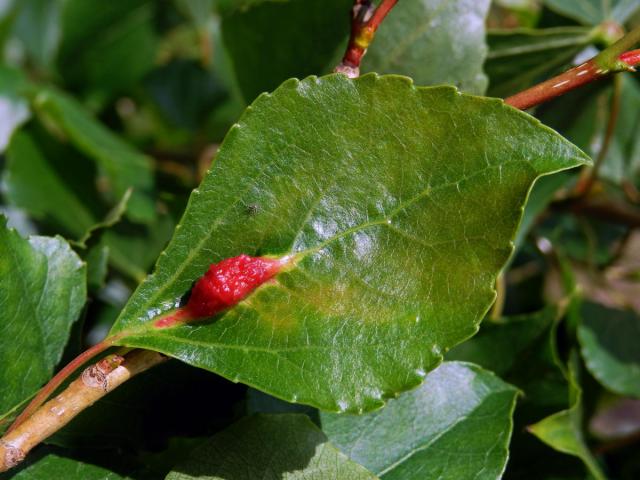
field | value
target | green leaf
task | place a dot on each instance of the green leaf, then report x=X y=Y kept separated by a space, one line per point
x=38 y=29
x=583 y=119
x=609 y=344
x=122 y=165
x=265 y=50
x=522 y=350
x=421 y=39
x=461 y=411
x=107 y=46
x=379 y=191
x=287 y=447
x=14 y=110
x=34 y=183
x=42 y=291
x=594 y=12
x=53 y=467
x=563 y=431
x=519 y=58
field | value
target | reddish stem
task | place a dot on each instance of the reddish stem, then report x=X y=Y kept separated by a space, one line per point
x=364 y=24
x=60 y=377
x=570 y=80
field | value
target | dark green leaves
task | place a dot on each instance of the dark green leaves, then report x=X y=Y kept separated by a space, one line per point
x=269 y=42
x=122 y=166
x=421 y=39
x=379 y=190
x=461 y=411
x=519 y=58
x=54 y=466
x=42 y=290
x=270 y=447
x=594 y=12
x=609 y=340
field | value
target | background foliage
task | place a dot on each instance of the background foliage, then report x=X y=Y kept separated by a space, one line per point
x=112 y=112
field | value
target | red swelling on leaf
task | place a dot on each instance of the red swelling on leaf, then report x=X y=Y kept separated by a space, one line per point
x=229 y=281
x=224 y=285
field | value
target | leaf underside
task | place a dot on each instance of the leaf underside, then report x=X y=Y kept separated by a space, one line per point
x=384 y=192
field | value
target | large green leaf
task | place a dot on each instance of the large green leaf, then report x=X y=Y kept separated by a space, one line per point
x=518 y=58
x=461 y=411
x=609 y=341
x=270 y=447
x=122 y=165
x=383 y=193
x=42 y=290
x=421 y=39
x=594 y=12
x=271 y=41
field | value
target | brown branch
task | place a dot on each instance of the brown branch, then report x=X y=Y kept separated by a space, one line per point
x=365 y=20
x=574 y=78
x=60 y=377
x=94 y=383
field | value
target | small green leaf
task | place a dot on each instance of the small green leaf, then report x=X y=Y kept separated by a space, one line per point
x=33 y=183
x=519 y=58
x=38 y=29
x=265 y=50
x=54 y=467
x=594 y=12
x=287 y=447
x=379 y=191
x=461 y=411
x=121 y=164
x=609 y=343
x=563 y=431
x=421 y=39
x=42 y=291
x=14 y=110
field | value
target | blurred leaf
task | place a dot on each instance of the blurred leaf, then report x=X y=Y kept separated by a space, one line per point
x=609 y=343
x=421 y=39
x=287 y=447
x=122 y=165
x=356 y=306
x=185 y=92
x=585 y=124
x=198 y=11
x=38 y=28
x=97 y=259
x=14 y=110
x=107 y=45
x=32 y=182
x=42 y=291
x=270 y=42
x=111 y=218
x=55 y=467
x=563 y=431
x=460 y=412
x=594 y=12
x=517 y=59
x=521 y=349
x=133 y=248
